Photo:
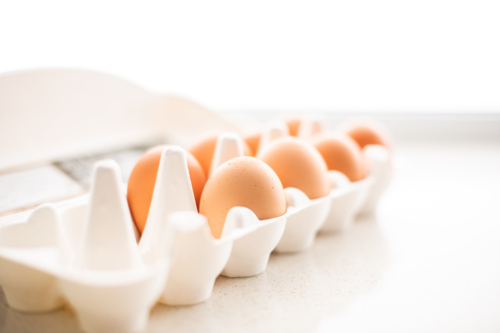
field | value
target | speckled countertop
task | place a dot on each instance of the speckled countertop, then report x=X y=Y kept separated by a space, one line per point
x=429 y=262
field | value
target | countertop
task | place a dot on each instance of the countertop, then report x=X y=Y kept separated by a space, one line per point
x=429 y=261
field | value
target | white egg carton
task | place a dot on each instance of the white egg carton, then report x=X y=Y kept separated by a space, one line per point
x=84 y=253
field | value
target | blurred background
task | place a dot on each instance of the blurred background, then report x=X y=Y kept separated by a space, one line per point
x=430 y=56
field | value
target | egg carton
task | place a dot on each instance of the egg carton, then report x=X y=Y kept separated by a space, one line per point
x=84 y=252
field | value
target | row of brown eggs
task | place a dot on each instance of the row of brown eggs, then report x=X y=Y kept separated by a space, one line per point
x=256 y=181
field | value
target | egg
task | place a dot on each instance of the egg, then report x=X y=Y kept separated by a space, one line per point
x=143 y=178
x=341 y=153
x=366 y=132
x=298 y=164
x=203 y=150
x=246 y=182
x=253 y=142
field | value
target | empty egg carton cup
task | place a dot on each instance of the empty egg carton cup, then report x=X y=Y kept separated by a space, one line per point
x=99 y=272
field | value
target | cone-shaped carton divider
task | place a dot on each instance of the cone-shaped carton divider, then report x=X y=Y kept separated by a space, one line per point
x=229 y=145
x=111 y=289
x=173 y=192
x=108 y=241
x=198 y=260
x=273 y=131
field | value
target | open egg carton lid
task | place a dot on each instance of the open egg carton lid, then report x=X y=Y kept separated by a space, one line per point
x=84 y=251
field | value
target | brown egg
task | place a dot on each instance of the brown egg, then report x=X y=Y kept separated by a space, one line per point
x=203 y=150
x=143 y=178
x=293 y=125
x=253 y=141
x=298 y=164
x=341 y=153
x=366 y=132
x=246 y=182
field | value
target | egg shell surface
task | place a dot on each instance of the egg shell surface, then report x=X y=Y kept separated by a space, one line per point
x=367 y=133
x=298 y=164
x=246 y=182
x=341 y=153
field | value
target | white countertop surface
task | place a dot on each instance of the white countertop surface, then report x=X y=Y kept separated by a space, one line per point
x=428 y=262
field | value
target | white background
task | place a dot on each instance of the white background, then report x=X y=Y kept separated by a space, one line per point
x=360 y=56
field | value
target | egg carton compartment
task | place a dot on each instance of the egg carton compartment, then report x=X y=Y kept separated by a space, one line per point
x=199 y=258
x=251 y=250
x=304 y=216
